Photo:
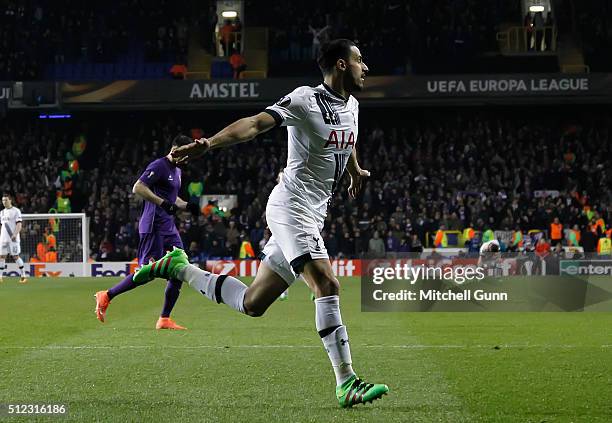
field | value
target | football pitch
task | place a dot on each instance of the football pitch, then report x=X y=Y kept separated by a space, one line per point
x=440 y=367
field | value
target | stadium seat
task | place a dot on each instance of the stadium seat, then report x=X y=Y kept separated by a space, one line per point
x=221 y=69
x=50 y=72
x=89 y=71
x=77 y=71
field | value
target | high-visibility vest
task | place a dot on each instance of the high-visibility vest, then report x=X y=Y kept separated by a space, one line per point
x=41 y=251
x=63 y=205
x=441 y=240
x=574 y=238
x=246 y=250
x=468 y=234
x=556 y=231
x=195 y=189
x=488 y=235
x=51 y=241
x=517 y=239
x=79 y=145
x=51 y=257
x=601 y=224
x=604 y=246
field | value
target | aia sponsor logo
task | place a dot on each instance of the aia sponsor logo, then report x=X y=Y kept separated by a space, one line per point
x=340 y=140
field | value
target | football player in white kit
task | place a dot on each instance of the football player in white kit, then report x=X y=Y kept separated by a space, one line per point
x=322 y=124
x=10 y=244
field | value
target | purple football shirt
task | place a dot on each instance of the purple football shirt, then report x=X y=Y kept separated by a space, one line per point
x=164 y=179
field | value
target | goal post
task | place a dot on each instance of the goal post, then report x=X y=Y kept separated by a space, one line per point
x=55 y=238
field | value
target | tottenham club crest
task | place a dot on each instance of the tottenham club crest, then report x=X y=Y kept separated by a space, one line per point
x=316 y=243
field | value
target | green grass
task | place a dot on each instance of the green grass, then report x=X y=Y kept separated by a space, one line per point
x=440 y=367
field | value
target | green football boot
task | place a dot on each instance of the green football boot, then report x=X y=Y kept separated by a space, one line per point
x=355 y=391
x=167 y=267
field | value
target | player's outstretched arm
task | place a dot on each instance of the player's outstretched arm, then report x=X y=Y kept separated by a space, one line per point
x=242 y=130
x=358 y=175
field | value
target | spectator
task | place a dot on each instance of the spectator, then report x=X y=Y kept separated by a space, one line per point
x=542 y=247
x=538 y=23
x=227 y=37
x=178 y=70
x=238 y=63
x=392 y=243
x=556 y=232
x=246 y=248
x=376 y=246
x=415 y=244
x=319 y=37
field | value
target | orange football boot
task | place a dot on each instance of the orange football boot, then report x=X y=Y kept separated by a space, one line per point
x=168 y=323
x=102 y=303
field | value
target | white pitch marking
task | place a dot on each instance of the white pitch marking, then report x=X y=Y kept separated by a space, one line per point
x=221 y=347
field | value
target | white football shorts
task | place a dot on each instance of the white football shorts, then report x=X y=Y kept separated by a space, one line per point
x=10 y=248
x=296 y=239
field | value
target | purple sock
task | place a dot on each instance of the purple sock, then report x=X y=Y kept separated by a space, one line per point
x=125 y=285
x=173 y=289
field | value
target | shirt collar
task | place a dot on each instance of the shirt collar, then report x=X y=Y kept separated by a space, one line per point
x=335 y=93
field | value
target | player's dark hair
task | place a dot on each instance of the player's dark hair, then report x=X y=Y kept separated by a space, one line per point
x=6 y=194
x=181 y=140
x=332 y=51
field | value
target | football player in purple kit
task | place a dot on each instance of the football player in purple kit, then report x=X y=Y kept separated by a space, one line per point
x=159 y=186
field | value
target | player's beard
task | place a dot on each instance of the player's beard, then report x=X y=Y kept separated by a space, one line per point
x=350 y=84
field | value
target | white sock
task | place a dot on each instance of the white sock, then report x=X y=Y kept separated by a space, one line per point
x=2 y=266
x=336 y=343
x=20 y=264
x=231 y=291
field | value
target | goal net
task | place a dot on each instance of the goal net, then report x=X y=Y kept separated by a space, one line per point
x=55 y=238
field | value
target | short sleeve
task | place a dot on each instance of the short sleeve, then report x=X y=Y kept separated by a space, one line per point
x=151 y=174
x=292 y=109
x=18 y=216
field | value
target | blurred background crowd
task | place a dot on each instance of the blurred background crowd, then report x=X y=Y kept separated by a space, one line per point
x=501 y=170
x=138 y=39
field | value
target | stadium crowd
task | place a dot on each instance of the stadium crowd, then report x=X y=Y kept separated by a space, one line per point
x=594 y=22
x=443 y=170
x=422 y=33
x=34 y=34
x=142 y=39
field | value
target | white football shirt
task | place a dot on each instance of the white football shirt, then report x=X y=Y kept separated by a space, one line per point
x=322 y=129
x=9 y=218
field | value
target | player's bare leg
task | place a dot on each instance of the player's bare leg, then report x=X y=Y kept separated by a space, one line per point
x=252 y=300
x=265 y=289
x=350 y=390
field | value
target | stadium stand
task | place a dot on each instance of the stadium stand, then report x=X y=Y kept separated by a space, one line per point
x=88 y=40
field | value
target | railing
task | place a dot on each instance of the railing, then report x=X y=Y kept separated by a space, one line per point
x=575 y=69
x=519 y=39
x=253 y=74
